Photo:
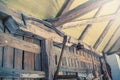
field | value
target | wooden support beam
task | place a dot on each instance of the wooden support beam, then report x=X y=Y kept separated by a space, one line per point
x=105 y=30
x=114 y=33
x=114 y=44
x=8 y=40
x=66 y=77
x=12 y=73
x=79 y=11
x=46 y=25
x=90 y=21
x=60 y=59
x=84 y=32
x=103 y=34
x=65 y=7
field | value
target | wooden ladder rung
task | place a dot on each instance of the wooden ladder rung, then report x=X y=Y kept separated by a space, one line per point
x=12 y=73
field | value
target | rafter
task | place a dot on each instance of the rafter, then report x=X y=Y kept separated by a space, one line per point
x=105 y=30
x=113 y=45
x=84 y=32
x=65 y=7
x=88 y=26
x=79 y=11
x=114 y=33
x=91 y=21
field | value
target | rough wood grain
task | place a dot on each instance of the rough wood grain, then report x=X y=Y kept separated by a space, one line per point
x=8 y=40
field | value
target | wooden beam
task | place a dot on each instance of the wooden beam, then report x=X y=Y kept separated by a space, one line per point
x=88 y=26
x=65 y=7
x=103 y=34
x=60 y=59
x=8 y=40
x=114 y=44
x=13 y=73
x=114 y=33
x=105 y=30
x=84 y=32
x=46 y=25
x=90 y=21
x=79 y=11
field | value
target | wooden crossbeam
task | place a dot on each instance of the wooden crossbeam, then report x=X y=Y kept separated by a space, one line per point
x=8 y=40
x=79 y=11
x=12 y=73
x=90 y=21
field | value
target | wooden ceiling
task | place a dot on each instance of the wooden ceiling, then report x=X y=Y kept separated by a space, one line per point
x=94 y=22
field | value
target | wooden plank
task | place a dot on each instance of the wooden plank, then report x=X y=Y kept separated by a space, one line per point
x=79 y=11
x=91 y=21
x=8 y=57
x=18 y=56
x=28 y=57
x=8 y=40
x=13 y=73
x=38 y=60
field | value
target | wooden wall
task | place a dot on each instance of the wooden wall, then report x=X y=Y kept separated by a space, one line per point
x=73 y=61
x=13 y=58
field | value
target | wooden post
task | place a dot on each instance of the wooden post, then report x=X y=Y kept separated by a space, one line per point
x=47 y=58
x=60 y=59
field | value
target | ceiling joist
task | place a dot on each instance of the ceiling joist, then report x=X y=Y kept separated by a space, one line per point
x=79 y=11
